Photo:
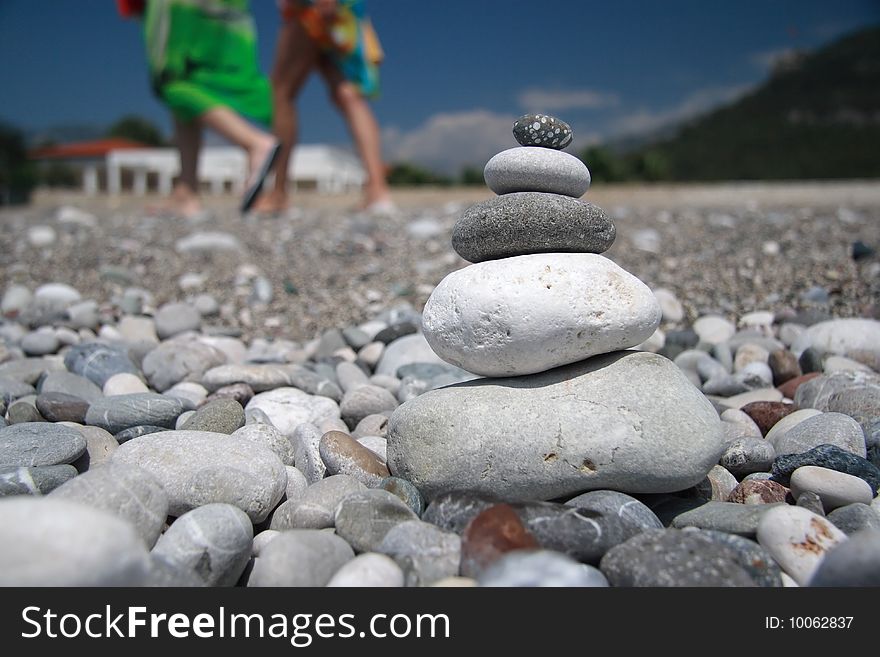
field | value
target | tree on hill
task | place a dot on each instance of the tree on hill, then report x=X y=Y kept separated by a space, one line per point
x=17 y=177
x=138 y=129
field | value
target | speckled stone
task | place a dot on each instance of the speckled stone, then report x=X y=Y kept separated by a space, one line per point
x=491 y=534
x=531 y=222
x=861 y=404
x=220 y=416
x=306 y=441
x=784 y=366
x=823 y=429
x=38 y=480
x=747 y=455
x=789 y=421
x=827 y=456
x=758 y=492
x=364 y=401
x=855 y=562
x=240 y=392
x=534 y=169
x=670 y=557
x=816 y=392
x=756 y=561
x=852 y=518
x=767 y=414
x=39 y=443
x=23 y=411
x=542 y=130
x=267 y=436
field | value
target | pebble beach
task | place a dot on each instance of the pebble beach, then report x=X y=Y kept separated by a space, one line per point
x=313 y=399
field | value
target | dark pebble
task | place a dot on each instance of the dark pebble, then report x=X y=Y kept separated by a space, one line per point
x=827 y=456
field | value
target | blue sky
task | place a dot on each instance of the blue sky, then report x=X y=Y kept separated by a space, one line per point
x=457 y=73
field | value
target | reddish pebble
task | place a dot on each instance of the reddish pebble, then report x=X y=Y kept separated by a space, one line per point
x=494 y=532
x=766 y=414
x=758 y=491
x=784 y=366
x=789 y=387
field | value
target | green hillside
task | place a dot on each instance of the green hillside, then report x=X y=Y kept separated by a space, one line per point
x=816 y=117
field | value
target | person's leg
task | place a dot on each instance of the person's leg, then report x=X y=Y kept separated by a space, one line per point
x=233 y=127
x=185 y=196
x=364 y=131
x=295 y=57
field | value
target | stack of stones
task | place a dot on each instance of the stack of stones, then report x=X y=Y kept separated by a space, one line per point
x=565 y=406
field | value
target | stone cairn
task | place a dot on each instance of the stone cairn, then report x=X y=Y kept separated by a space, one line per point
x=564 y=408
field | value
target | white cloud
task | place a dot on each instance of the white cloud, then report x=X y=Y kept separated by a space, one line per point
x=544 y=100
x=769 y=59
x=448 y=141
x=646 y=120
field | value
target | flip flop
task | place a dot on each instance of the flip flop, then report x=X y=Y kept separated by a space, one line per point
x=254 y=190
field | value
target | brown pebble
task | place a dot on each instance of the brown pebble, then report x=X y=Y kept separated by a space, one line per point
x=342 y=454
x=489 y=535
x=240 y=392
x=790 y=387
x=784 y=366
x=766 y=413
x=758 y=491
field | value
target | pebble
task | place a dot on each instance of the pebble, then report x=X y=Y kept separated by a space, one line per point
x=754 y=559
x=174 y=318
x=730 y=517
x=342 y=454
x=24 y=411
x=408 y=493
x=208 y=241
x=264 y=435
x=98 y=362
x=492 y=533
x=213 y=541
x=397 y=330
x=29 y=370
x=124 y=411
x=747 y=455
x=834 y=488
x=71 y=384
x=749 y=353
x=40 y=343
x=138 y=329
x=372 y=425
x=629 y=510
x=306 y=441
x=426 y=553
x=671 y=557
x=825 y=428
x=524 y=223
x=816 y=392
x=861 y=404
x=180 y=359
x=31 y=444
x=745 y=398
x=220 y=416
x=363 y=519
x=128 y=492
x=789 y=421
x=855 y=562
x=100 y=446
x=713 y=329
x=839 y=336
x=542 y=130
x=789 y=388
x=535 y=449
x=831 y=457
x=123 y=383
x=240 y=392
x=855 y=517
x=797 y=539
x=670 y=306
x=287 y=408
x=301 y=558
x=363 y=401
x=135 y=432
x=540 y=568
x=717 y=485
x=350 y=376
x=315 y=508
x=52 y=542
x=39 y=480
x=403 y=351
x=767 y=414
x=811 y=502
x=199 y=467
x=758 y=492
x=536 y=169
x=368 y=570
x=259 y=377
x=61 y=407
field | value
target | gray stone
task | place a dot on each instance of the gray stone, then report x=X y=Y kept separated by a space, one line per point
x=40 y=343
x=717 y=485
x=123 y=411
x=542 y=130
x=313 y=382
x=71 y=384
x=128 y=492
x=199 y=467
x=100 y=446
x=39 y=480
x=855 y=517
x=816 y=393
x=811 y=502
x=267 y=436
x=306 y=441
x=166 y=575
x=540 y=568
x=834 y=488
x=40 y=443
x=214 y=541
x=29 y=370
x=797 y=539
x=124 y=383
x=363 y=519
x=135 y=432
x=610 y=502
x=404 y=351
x=177 y=360
x=259 y=377
x=296 y=483
x=670 y=557
x=368 y=570
x=24 y=411
x=397 y=330
x=98 y=362
x=714 y=329
x=342 y=454
x=300 y=557
x=730 y=517
x=426 y=553
x=825 y=429
x=372 y=425
x=827 y=456
x=535 y=169
x=363 y=401
x=208 y=242
x=350 y=376
x=219 y=416
x=12 y=389
x=315 y=508
x=355 y=337
x=261 y=540
x=174 y=318
x=855 y=562
x=646 y=429
x=531 y=222
x=406 y=492
x=747 y=455
x=754 y=559
x=453 y=511
x=840 y=336
x=287 y=408
x=861 y=404
x=52 y=542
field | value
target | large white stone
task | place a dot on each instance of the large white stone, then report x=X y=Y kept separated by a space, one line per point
x=531 y=313
x=288 y=408
x=840 y=336
x=628 y=421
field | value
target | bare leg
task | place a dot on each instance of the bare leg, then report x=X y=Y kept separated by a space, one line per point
x=229 y=124
x=365 y=132
x=185 y=196
x=295 y=57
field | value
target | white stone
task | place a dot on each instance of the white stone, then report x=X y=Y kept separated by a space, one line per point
x=671 y=307
x=536 y=169
x=839 y=336
x=797 y=539
x=124 y=383
x=834 y=488
x=368 y=569
x=740 y=400
x=843 y=364
x=59 y=294
x=41 y=236
x=287 y=408
x=530 y=313
x=714 y=329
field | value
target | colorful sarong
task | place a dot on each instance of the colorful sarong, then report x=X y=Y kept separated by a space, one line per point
x=203 y=54
x=349 y=39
